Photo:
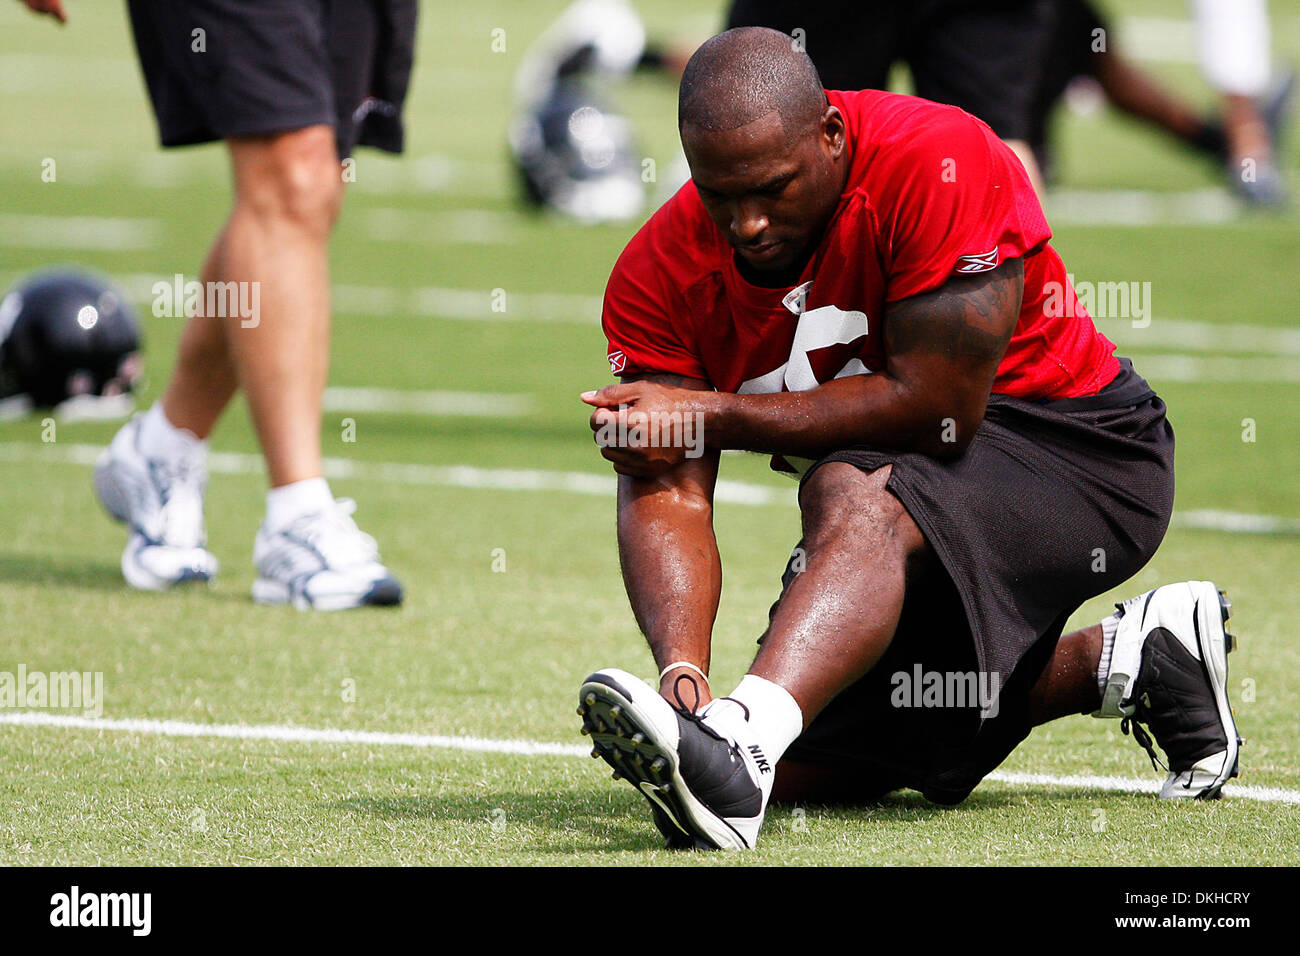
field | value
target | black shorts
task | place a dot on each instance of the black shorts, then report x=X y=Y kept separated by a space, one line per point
x=985 y=56
x=1072 y=52
x=218 y=69
x=1052 y=504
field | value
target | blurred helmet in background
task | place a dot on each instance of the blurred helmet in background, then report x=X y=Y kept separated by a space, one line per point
x=68 y=338
x=578 y=157
x=573 y=152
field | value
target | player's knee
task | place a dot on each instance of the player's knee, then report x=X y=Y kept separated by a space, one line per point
x=295 y=177
x=840 y=499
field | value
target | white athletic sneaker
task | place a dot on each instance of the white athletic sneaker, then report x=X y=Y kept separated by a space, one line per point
x=701 y=778
x=322 y=561
x=1169 y=670
x=161 y=502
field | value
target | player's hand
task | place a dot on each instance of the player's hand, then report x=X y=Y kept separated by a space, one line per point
x=53 y=7
x=645 y=429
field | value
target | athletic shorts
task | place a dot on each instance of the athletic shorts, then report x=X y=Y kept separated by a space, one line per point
x=985 y=56
x=1051 y=504
x=218 y=69
x=1071 y=55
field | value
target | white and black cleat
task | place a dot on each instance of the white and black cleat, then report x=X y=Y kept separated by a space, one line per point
x=1173 y=643
x=701 y=784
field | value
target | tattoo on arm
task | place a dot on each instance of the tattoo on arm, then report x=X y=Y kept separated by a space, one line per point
x=967 y=321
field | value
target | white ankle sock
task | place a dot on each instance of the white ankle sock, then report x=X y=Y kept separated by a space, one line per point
x=775 y=719
x=1109 y=627
x=288 y=502
x=159 y=438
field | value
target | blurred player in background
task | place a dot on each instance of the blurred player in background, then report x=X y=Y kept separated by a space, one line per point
x=985 y=56
x=1234 y=50
x=290 y=86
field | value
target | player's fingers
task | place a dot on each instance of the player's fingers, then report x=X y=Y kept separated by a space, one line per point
x=603 y=418
x=610 y=395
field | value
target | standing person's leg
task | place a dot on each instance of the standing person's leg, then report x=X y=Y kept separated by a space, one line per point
x=288 y=192
x=282 y=84
x=1234 y=37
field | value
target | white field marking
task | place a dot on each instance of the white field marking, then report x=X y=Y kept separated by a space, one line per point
x=447 y=476
x=1209 y=370
x=1156 y=39
x=1187 y=336
x=430 y=173
x=180 y=728
x=1137 y=207
x=529 y=748
x=475 y=305
x=448 y=227
x=78 y=232
x=464 y=404
x=574 y=482
x=69 y=74
x=1234 y=522
x=1127 y=785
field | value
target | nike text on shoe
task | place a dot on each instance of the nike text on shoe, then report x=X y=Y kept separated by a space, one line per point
x=1169 y=670
x=701 y=782
x=322 y=561
x=162 y=503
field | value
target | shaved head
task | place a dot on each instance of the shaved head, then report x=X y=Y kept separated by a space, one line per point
x=744 y=74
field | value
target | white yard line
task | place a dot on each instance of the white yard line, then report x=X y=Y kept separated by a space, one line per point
x=573 y=482
x=397 y=401
x=1211 y=370
x=448 y=476
x=32 y=231
x=1189 y=336
x=1138 y=207
x=529 y=748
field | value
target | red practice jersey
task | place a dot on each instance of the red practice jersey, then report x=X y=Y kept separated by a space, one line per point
x=931 y=193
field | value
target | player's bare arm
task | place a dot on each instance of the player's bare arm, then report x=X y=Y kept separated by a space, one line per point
x=667 y=549
x=944 y=348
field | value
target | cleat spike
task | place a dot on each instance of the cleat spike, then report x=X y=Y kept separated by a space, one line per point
x=658 y=764
x=1225 y=605
x=616 y=711
x=616 y=775
x=582 y=711
x=595 y=751
x=638 y=738
x=586 y=731
x=590 y=699
x=1229 y=642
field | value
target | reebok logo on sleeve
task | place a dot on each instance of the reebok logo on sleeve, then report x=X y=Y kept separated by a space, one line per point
x=981 y=263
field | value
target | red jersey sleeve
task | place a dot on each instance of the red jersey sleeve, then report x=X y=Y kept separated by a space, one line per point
x=645 y=315
x=957 y=202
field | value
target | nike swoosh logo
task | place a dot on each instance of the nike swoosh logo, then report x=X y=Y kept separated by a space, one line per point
x=652 y=792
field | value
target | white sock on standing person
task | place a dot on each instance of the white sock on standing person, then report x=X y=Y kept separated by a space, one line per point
x=159 y=438
x=287 y=503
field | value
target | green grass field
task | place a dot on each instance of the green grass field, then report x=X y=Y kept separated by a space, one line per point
x=498 y=654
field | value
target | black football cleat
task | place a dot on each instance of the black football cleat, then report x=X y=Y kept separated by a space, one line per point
x=1169 y=671
x=701 y=784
